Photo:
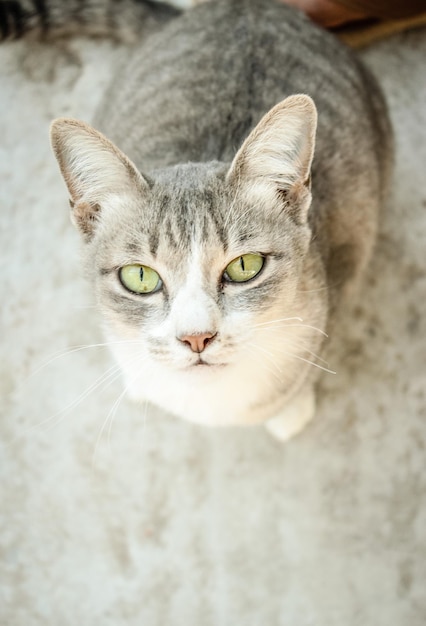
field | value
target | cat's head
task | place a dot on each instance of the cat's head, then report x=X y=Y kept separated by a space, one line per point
x=200 y=268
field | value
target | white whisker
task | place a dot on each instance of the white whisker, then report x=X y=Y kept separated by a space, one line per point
x=282 y=319
x=301 y=358
x=318 y=330
x=110 y=417
x=276 y=324
x=58 y=355
x=109 y=377
x=300 y=346
x=325 y=288
x=255 y=350
x=270 y=356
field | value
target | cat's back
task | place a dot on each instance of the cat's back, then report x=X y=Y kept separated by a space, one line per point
x=194 y=91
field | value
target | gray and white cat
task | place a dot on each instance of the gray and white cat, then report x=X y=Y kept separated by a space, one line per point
x=241 y=204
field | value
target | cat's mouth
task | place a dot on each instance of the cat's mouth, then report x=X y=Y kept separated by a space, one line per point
x=202 y=364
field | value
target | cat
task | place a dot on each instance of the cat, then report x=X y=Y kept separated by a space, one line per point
x=232 y=208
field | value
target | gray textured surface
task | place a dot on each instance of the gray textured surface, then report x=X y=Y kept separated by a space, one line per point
x=176 y=524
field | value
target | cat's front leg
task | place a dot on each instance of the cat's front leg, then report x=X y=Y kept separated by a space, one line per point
x=293 y=417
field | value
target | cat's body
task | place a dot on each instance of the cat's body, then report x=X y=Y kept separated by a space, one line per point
x=202 y=346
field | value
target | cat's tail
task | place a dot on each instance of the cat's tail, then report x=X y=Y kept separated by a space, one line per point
x=121 y=19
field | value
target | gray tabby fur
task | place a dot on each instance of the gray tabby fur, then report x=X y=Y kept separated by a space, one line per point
x=185 y=202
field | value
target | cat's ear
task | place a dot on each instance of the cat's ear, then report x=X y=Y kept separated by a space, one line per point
x=94 y=170
x=275 y=160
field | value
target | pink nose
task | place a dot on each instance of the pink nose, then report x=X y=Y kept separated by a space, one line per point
x=199 y=342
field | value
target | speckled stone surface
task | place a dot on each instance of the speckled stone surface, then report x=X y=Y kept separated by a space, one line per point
x=159 y=522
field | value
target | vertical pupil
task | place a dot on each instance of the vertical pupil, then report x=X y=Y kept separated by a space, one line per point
x=242 y=263
x=141 y=274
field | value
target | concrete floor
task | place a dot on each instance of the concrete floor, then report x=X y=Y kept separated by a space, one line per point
x=167 y=523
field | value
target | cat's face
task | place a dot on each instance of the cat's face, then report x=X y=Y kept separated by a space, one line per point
x=193 y=270
x=202 y=272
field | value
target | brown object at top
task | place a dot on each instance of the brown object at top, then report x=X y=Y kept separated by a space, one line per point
x=360 y=34
x=385 y=9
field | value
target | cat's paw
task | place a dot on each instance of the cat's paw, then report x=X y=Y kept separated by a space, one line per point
x=294 y=417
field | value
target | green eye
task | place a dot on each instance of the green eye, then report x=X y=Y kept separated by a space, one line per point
x=244 y=268
x=140 y=278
